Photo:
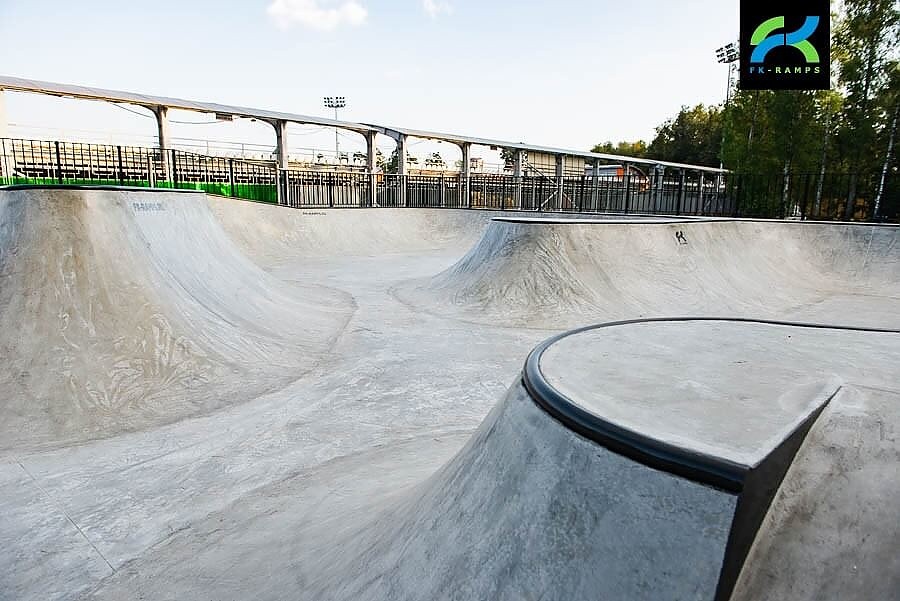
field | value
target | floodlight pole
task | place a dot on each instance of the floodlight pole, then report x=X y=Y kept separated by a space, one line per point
x=726 y=55
x=336 y=102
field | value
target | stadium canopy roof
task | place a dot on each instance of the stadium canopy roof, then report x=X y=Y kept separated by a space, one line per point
x=457 y=139
x=145 y=100
x=149 y=101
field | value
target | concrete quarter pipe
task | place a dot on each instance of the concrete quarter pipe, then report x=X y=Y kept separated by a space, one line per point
x=209 y=399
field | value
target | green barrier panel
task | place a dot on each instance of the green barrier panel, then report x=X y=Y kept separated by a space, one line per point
x=258 y=192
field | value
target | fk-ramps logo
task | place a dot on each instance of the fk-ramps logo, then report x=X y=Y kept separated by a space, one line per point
x=785 y=46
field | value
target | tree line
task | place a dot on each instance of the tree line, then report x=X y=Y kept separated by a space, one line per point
x=850 y=130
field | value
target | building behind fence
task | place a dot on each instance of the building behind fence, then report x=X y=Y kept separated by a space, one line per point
x=660 y=191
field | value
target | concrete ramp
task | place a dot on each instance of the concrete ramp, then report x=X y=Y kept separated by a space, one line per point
x=551 y=274
x=831 y=530
x=121 y=310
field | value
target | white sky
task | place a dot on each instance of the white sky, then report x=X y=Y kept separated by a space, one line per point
x=566 y=73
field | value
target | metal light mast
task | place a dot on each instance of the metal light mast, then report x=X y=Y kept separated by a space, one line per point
x=336 y=102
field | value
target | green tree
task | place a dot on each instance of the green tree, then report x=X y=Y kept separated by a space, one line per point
x=865 y=40
x=888 y=103
x=694 y=136
x=636 y=149
x=393 y=163
x=508 y=156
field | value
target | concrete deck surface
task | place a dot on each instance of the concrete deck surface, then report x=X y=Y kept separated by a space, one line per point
x=210 y=399
x=734 y=401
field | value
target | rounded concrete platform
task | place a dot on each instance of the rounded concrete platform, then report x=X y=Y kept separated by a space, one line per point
x=797 y=421
x=727 y=388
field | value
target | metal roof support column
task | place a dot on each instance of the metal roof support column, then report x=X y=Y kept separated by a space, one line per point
x=281 y=159
x=595 y=181
x=371 y=168
x=162 y=128
x=401 y=154
x=466 y=171
x=560 y=178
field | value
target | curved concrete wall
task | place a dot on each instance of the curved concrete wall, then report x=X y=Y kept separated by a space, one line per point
x=563 y=274
x=120 y=310
x=528 y=509
x=831 y=531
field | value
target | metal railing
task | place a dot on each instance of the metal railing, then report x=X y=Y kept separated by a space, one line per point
x=666 y=192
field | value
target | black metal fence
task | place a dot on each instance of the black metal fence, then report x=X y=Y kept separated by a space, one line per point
x=825 y=196
x=662 y=191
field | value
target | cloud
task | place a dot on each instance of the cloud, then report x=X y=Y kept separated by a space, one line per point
x=324 y=15
x=433 y=8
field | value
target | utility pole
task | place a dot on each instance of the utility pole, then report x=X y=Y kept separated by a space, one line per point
x=336 y=102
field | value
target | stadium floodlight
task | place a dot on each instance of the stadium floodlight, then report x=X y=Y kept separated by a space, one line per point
x=728 y=53
x=336 y=102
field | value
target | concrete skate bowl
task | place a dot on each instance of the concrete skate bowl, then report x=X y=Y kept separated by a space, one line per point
x=272 y=235
x=557 y=274
x=666 y=459
x=120 y=310
x=127 y=312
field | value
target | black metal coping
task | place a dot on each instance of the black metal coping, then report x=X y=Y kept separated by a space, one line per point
x=692 y=465
x=658 y=219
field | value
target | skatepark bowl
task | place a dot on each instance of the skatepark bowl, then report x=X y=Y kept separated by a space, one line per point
x=211 y=399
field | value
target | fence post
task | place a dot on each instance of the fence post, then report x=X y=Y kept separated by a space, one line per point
x=700 y=201
x=151 y=172
x=626 y=174
x=282 y=186
x=681 y=181
x=6 y=172
x=468 y=191
x=560 y=180
x=331 y=185
x=580 y=204
x=174 y=169
x=119 y=164
x=59 y=176
x=231 y=178
x=279 y=188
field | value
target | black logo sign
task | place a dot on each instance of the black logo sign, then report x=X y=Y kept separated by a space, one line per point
x=785 y=45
